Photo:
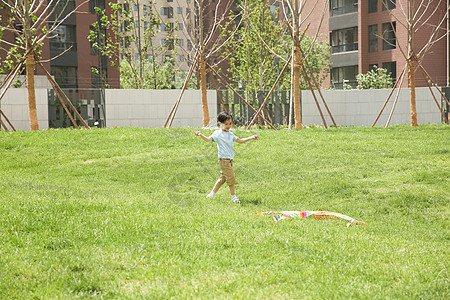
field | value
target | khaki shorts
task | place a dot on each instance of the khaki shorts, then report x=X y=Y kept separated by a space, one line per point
x=227 y=173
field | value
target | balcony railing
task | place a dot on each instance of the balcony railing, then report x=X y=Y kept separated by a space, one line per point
x=340 y=85
x=336 y=11
x=344 y=48
x=63 y=46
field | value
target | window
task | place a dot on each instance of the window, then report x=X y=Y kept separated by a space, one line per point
x=126 y=26
x=344 y=40
x=167 y=27
x=389 y=5
x=180 y=26
x=340 y=7
x=373 y=6
x=373 y=38
x=95 y=3
x=168 y=43
x=94 y=50
x=64 y=38
x=179 y=10
x=342 y=75
x=181 y=42
x=391 y=68
x=389 y=40
x=180 y=58
x=136 y=7
x=98 y=76
x=167 y=11
x=66 y=77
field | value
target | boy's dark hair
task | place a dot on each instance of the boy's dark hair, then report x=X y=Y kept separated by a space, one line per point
x=222 y=117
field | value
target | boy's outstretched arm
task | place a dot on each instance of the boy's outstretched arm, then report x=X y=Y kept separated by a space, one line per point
x=198 y=133
x=253 y=137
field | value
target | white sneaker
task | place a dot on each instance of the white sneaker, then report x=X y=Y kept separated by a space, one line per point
x=235 y=199
x=210 y=195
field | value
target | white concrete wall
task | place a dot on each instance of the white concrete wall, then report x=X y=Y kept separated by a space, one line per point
x=361 y=107
x=15 y=106
x=150 y=108
x=40 y=81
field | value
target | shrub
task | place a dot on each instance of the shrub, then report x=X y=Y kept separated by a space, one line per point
x=377 y=78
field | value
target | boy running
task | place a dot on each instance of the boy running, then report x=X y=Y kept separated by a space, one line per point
x=225 y=145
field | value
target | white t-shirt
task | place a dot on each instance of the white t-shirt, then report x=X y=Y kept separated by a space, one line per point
x=225 y=143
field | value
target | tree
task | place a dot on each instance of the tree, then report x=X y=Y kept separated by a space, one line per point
x=259 y=42
x=254 y=44
x=299 y=55
x=28 y=21
x=377 y=78
x=206 y=42
x=418 y=15
x=125 y=36
x=162 y=77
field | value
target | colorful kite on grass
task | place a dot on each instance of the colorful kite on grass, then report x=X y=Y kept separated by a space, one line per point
x=281 y=215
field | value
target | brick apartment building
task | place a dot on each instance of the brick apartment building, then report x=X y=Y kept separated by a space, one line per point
x=361 y=35
x=176 y=20
x=73 y=68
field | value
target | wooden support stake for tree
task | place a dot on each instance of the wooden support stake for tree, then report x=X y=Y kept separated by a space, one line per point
x=11 y=75
x=218 y=95
x=270 y=93
x=64 y=106
x=242 y=98
x=387 y=100
x=172 y=113
x=3 y=124
x=314 y=95
x=427 y=77
x=395 y=101
x=318 y=88
x=58 y=89
x=7 y=120
x=9 y=78
x=55 y=88
x=435 y=100
x=6 y=85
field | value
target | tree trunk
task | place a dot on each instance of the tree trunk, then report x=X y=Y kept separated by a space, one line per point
x=412 y=91
x=204 y=96
x=296 y=87
x=296 y=63
x=411 y=63
x=30 y=65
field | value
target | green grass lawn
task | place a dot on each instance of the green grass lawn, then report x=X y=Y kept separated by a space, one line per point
x=121 y=213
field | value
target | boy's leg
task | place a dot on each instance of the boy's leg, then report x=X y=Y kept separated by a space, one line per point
x=232 y=190
x=219 y=183
x=228 y=172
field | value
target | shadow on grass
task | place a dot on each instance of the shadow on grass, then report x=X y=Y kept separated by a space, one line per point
x=254 y=201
